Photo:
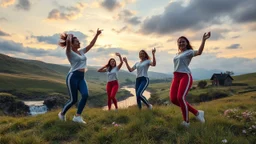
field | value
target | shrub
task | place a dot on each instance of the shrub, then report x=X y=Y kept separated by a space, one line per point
x=202 y=84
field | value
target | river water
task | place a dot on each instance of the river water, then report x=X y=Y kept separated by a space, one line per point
x=37 y=107
x=130 y=101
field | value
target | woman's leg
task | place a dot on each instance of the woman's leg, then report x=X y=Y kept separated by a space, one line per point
x=184 y=87
x=114 y=90
x=174 y=90
x=144 y=81
x=84 y=93
x=108 y=88
x=72 y=86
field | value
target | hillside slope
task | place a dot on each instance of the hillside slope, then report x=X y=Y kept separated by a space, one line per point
x=230 y=119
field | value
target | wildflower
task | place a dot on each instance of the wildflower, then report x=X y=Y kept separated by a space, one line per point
x=224 y=141
x=226 y=112
x=113 y=123
x=253 y=126
x=116 y=125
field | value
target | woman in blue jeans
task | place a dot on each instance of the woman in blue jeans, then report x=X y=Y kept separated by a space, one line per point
x=142 y=79
x=75 y=79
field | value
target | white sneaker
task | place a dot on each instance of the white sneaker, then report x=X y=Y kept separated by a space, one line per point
x=62 y=117
x=185 y=124
x=200 y=116
x=150 y=106
x=78 y=119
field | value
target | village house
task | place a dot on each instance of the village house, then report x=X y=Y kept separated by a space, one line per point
x=221 y=79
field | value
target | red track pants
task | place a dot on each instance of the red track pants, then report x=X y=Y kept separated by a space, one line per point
x=112 y=88
x=181 y=84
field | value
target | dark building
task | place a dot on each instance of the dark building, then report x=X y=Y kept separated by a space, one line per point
x=221 y=79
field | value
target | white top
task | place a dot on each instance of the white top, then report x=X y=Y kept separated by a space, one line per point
x=182 y=61
x=142 y=68
x=76 y=61
x=112 y=75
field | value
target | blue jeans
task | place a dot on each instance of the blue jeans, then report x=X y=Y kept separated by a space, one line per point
x=75 y=81
x=140 y=87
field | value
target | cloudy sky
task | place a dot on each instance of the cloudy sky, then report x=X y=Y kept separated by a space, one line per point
x=30 y=29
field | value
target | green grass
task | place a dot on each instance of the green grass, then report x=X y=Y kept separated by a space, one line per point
x=38 y=87
x=161 y=125
x=160 y=91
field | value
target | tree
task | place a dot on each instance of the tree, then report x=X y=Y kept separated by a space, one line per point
x=230 y=72
x=202 y=84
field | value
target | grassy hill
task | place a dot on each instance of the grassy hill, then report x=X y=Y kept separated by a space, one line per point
x=36 y=80
x=242 y=84
x=231 y=119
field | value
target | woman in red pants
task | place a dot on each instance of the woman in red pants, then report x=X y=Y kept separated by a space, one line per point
x=182 y=80
x=112 y=85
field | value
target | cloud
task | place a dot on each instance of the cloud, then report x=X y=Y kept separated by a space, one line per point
x=234 y=46
x=66 y=13
x=216 y=34
x=215 y=48
x=3 y=19
x=2 y=33
x=235 y=64
x=121 y=30
x=23 y=5
x=6 y=3
x=246 y=12
x=234 y=37
x=129 y=17
x=13 y=47
x=54 y=39
x=156 y=45
x=99 y=56
x=110 y=5
x=109 y=51
x=197 y=15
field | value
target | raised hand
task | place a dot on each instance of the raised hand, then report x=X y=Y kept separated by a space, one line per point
x=118 y=54
x=99 y=31
x=124 y=59
x=206 y=36
x=154 y=50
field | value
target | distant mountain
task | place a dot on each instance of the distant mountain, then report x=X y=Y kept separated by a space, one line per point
x=200 y=74
x=158 y=75
x=13 y=65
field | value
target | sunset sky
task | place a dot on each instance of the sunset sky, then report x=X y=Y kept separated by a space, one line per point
x=30 y=29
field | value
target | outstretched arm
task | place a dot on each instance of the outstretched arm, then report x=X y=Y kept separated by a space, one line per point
x=69 y=42
x=93 y=41
x=127 y=65
x=103 y=69
x=121 y=61
x=201 y=48
x=153 y=63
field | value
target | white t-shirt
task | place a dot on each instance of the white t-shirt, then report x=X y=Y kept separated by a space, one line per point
x=142 y=68
x=182 y=61
x=76 y=61
x=112 y=75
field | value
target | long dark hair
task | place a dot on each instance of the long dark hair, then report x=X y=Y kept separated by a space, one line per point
x=63 y=40
x=188 y=43
x=147 y=56
x=109 y=66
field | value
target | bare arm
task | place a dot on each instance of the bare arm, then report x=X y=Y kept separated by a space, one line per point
x=103 y=69
x=201 y=48
x=153 y=63
x=127 y=65
x=93 y=41
x=121 y=61
x=69 y=42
